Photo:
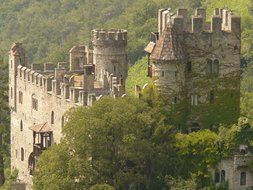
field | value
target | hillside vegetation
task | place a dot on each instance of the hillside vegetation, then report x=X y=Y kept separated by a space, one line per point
x=49 y=28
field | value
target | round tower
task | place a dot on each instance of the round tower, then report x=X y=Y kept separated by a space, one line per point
x=110 y=53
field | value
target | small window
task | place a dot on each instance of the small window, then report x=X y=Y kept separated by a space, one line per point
x=212 y=66
x=162 y=73
x=21 y=125
x=189 y=66
x=176 y=74
x=52 y=117
x=223 y=176
x=243 y=179
x=20 y=99
x=212 y=97
x=114 y=68
x=215 y=68
x=62 y=121
x=175 y=100
x=217 y=177
x=194 y=100
x=16 y=153
x=209 y=66
x=34 y=103
x=22 y=154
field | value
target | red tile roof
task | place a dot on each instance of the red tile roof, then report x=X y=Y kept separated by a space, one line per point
x=41 y=128
x=168 y=47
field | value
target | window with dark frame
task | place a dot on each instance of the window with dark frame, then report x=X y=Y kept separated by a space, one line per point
x=243 y=179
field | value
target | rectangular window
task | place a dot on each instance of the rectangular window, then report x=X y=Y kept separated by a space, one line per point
x=175 y=100
x=217 y=177
x=194 y=100
x=20 y=98
x=35 y=104
x=243 y=179
x=162 y=73
x=212 y=97
x=189 y=66
x=176 y=74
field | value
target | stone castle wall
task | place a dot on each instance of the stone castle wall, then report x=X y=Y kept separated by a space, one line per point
x=41 y=94
x=195 y=45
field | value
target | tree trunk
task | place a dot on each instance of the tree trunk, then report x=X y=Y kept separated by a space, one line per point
x=2 y=178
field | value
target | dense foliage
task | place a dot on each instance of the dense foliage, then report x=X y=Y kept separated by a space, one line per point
x=128 y=148
x=4 y=122
x=127 y=144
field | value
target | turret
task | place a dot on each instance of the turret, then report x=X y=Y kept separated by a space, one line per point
x=110 y=53
x=17 y=56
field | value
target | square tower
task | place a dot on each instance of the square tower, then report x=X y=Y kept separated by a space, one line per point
x=195 y=66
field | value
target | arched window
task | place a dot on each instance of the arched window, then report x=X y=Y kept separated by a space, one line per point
x=34 y=102
x=216 y=66
x=209 y=63
x=212 y=97
x=223 y=176
x=21 y=125
x=243 y=178
x=52 y=117
x=22 y=154
x=212 y=66
x=62 y=121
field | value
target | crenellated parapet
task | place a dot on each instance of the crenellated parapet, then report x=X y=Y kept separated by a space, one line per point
x=222 y=20
x=112 y=37
x=75 y=88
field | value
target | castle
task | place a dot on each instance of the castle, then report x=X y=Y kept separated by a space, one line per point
x=195 y=65
x=191 y=62
x=40 y=95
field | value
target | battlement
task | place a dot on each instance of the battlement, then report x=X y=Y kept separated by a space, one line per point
x=222 y=20
x=112 y=37
x=78 y=88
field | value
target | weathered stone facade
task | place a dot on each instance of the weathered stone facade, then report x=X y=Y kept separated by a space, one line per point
x=196 y=64
x=236 y=171
x=39 y=95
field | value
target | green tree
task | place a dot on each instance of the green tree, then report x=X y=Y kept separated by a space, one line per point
x=4 y=121
x=121 y=142
x=199 y=152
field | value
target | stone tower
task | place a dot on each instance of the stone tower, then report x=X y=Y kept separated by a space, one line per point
x=109 y=54
x=195 y=65
x=17 y=57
